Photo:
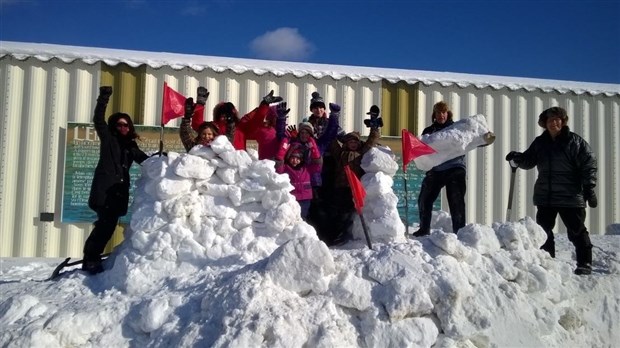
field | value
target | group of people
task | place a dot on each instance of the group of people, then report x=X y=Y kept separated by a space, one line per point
x=315 y=152
x=566 y=179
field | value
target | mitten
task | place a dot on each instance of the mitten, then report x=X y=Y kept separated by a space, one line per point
x=334 y=108
x=189 y=107
x=282 y=111
x=270 y=98
x=590 y=196
x=374 y=123
x=514 y=156
x=292 y=131
x=104 y=94
x=202 y=95
x=489 y=138
x=374 y=112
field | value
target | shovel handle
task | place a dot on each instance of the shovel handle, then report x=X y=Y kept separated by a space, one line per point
x=511 y=191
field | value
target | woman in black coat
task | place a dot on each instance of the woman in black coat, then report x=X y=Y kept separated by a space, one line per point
x=109 y=193
x=566 y=180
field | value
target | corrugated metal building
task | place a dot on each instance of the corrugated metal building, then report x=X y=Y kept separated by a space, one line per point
x=45 y=86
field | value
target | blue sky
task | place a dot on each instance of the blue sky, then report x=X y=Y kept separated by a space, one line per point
x=576 y=40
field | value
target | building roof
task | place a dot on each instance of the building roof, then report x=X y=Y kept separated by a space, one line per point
x=93 y=55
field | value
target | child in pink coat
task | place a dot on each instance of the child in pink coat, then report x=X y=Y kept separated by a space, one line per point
x=300 y=171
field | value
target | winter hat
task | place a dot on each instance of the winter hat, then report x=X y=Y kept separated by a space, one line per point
x=374 y=111
x=114 y=118
x=307 y=126
x=316 y=101
x=555 y=111
x=351 y=136
x=296 y=153
x=226 y=108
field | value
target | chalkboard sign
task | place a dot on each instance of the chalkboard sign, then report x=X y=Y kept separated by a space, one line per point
x=407 y=203
x=81 y=157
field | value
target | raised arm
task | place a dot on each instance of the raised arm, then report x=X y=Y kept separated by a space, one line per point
x=331 y=132
x=101 y=127
x=281 y=112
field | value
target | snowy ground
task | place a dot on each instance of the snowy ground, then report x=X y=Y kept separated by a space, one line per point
x=219 y=257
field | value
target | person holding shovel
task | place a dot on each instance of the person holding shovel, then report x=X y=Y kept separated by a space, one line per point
x=566 y=180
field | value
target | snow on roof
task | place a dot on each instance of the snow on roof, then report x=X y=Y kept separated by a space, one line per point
x=92 y=55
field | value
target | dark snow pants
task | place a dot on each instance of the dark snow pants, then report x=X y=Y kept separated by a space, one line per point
x=455 y=182
x=100 y=235
x=576 y=230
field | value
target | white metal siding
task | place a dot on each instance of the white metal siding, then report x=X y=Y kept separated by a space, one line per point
x=513 y=117
x=39 y=96
x=246 y=92
x=38 y=99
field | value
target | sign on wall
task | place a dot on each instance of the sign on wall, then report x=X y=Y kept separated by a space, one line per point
x=81 y=157
x=82 y=154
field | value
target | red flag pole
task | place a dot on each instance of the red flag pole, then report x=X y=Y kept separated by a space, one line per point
x=365 y=227
x=358 y=193
x=403 y=146
x=406 y=203
x=161 y=130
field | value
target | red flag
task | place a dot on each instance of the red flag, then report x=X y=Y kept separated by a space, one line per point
x=413 y=148
x=359 y=193
x=172 y=106
x=198 y=117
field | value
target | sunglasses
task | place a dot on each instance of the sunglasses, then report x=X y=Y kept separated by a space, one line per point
x=122 y=125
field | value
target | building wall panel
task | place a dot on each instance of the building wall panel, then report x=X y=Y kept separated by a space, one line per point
x=38 y=98
x=246 y=92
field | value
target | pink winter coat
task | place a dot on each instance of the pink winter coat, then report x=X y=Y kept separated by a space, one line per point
x=312 y=156
x=254 y=128
x=300 y=179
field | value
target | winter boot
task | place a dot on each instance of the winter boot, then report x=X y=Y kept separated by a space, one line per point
x=420 y=233
x=584 y=260
x=549 y=245
x=92 y=267
x=583 y=270
x=92 y=264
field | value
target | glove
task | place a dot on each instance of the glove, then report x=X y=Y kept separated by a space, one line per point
x=189 y=107
x=282 y=111
x=104 y=94
x=202 y=95
x=292 y=131
x=514 y=156
x=590 y=196
x=270 y=98
x=335 y=108
x=489 y=138
x=374 y=123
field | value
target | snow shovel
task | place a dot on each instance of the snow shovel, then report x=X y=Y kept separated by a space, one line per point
x=511 y=191
x=66 y=263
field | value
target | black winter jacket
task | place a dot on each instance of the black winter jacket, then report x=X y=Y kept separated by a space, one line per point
x=565 y=166
x=110 y=187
